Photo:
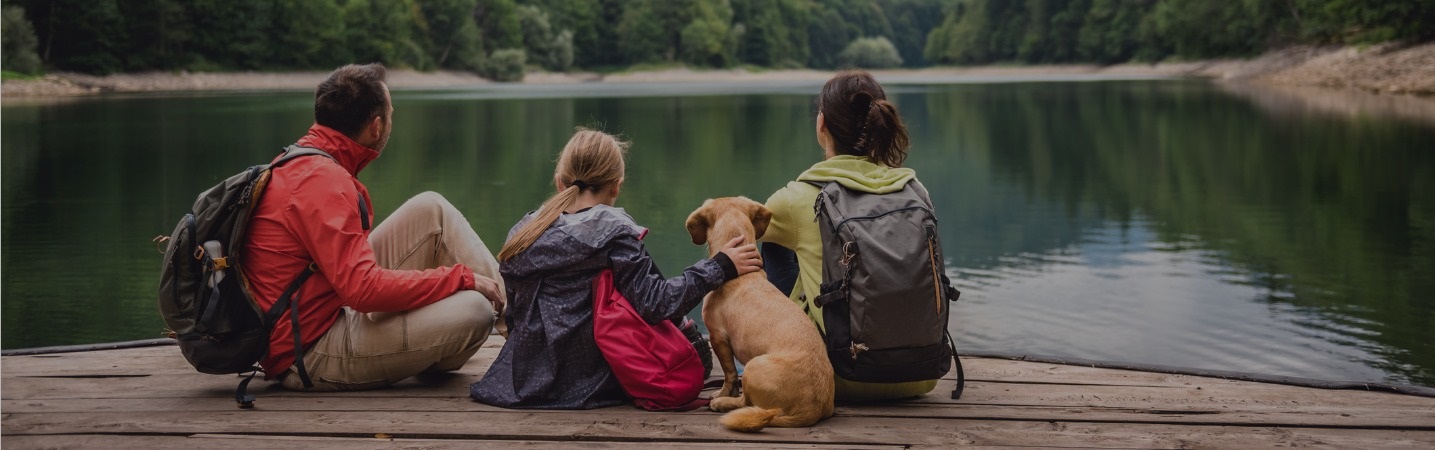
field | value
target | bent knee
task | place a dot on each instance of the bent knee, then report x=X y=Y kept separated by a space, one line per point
x=431 y=200
x=467 y=309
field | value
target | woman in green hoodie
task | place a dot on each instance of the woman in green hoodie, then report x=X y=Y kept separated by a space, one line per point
x=863 y=143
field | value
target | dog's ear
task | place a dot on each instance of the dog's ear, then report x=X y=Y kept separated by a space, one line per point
x=761 y=216
x=698 y=224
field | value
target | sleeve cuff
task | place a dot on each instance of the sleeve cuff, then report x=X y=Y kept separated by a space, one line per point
x=466 y=281
x=729 y=270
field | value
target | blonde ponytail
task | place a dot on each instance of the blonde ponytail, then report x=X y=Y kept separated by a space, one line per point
x=547 y=214
x=592 y=160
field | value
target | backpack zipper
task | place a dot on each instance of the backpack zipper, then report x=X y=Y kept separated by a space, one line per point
x=839 y=225
x=936 y=278
x=858 y=347
x=817 y=208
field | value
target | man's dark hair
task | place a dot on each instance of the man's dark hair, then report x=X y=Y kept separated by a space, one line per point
x=350 y=97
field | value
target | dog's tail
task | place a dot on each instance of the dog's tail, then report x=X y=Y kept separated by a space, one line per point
x=749 y=419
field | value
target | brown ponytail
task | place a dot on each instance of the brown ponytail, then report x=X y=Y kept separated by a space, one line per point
x=591 y=161
x=861 y=121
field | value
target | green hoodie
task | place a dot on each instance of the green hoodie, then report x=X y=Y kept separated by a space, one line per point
x=794 y=225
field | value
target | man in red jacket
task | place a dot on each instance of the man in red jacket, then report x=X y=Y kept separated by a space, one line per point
x=419 y=293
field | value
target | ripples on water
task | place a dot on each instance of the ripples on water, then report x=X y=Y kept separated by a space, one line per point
x=1109 y=296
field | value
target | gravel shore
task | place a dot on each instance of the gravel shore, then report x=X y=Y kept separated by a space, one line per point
x=1387 y=69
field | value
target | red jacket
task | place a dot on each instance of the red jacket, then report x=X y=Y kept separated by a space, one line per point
x=310 y=212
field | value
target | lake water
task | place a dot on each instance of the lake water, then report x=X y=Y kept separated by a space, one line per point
x=1154 y=221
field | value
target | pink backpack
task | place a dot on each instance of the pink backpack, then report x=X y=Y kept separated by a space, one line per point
x=656 y=364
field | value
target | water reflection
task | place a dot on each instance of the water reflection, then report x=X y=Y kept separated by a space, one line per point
x=1165 y=222
x=1272 y=242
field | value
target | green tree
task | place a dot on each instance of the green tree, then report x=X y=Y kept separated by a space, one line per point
x=912 y=21
x=298 y=43
x=868 y=17
x=232 y=34
x=498 y=19
x=159 y=32
x=505 y=65
x=827 y=35
x=870 y=53
x=642 y=36
x=1203 y=29
x=454 y=39
x=974 y=32
x=551 y=50
x=773 y=33
x=80 y=35
x=1111 y=30
x=1363 y=21
x=709 y=40
x=384 y=31
x=17 y=53
x=590 y=23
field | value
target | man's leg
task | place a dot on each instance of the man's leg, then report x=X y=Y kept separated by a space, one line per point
x=427 y=231
x=369 y=351
x=366 y=351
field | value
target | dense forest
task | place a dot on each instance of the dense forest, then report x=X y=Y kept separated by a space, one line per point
x=502 y=39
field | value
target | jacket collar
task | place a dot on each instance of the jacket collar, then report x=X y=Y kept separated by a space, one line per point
x=352 y=156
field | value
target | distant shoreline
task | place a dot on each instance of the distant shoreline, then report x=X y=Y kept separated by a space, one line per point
x=1386 y=69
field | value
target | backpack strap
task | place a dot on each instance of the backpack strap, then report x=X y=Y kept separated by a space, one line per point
x=961 y=374
x=295 y=151
x=290 y=301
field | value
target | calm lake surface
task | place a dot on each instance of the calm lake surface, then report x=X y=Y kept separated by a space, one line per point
x=1154 y=221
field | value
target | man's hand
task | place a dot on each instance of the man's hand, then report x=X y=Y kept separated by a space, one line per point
x=743 y=256
x=489 y=289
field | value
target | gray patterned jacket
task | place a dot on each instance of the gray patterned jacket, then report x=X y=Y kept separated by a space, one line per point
x=551 y=360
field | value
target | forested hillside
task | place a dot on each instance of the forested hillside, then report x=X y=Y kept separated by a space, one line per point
x=503 y=38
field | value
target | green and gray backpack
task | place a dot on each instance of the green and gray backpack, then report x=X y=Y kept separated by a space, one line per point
x=885 y=294
x=203 y=298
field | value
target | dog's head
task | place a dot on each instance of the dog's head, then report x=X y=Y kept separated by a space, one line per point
x=720 y=219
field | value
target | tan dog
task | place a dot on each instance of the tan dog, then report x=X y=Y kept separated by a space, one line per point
x=787 y=380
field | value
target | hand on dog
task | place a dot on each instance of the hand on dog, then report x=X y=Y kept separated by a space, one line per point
x=743 y=256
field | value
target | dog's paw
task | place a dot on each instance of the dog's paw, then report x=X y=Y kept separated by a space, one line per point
x=725 y=404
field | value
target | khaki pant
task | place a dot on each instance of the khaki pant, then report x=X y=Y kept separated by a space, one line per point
x=373 y=350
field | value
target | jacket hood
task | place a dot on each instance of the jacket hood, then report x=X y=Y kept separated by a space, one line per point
x=574 y=241
x=859 y=174
x=352 y=156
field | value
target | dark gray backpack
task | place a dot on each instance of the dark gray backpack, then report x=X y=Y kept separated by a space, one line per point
x=203 y=299
x=885 y=294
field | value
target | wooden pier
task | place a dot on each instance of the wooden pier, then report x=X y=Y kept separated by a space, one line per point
x=150 y=398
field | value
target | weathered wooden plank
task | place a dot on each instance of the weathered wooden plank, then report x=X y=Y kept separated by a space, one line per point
x=696 y=428
x=1024 y=402
x=1372 y=408
x=276 y=442
x=1019 y=375
x=1369 y=419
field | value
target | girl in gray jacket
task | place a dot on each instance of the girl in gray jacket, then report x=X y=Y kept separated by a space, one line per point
x=551 y=359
